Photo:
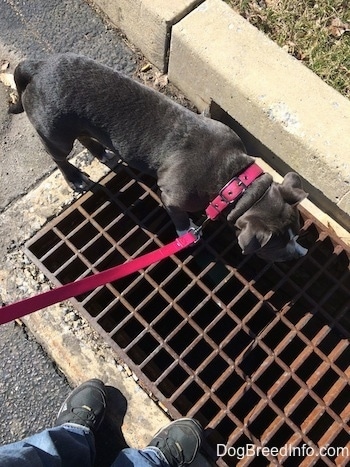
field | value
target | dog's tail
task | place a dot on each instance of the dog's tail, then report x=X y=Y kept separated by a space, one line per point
x=23 y=75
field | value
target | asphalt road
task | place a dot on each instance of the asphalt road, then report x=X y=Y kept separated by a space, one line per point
x=36 y=29
x=31 y=388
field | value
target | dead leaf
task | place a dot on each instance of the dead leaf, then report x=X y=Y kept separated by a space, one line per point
x=160 y=80
x=4 y=65
x=146 y=68
x=7 y=80
x=337 y=28
x=292 y=49
x=13 y=97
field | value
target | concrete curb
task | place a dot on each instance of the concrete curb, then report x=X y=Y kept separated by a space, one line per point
x=296 y=121
x=148 y=23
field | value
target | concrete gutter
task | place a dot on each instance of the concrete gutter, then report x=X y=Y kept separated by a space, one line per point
x=296 y=121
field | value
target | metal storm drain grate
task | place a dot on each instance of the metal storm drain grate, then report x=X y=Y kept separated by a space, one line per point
x=258 y=352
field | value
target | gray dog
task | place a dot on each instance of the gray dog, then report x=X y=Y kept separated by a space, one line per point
x=69 y=97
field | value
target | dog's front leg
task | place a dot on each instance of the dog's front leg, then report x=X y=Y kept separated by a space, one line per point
x=59 y=151
x=77 y=180
x=174 y=197
x=192 y=227
x=182 y=222
x=178 y=216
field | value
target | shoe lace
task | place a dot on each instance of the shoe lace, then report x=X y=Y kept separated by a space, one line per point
x=84 y=413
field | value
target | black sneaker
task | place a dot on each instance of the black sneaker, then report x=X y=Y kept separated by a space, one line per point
x=179 y=441
x=84 y=406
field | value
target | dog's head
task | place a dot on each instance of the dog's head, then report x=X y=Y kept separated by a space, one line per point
x=270 y=228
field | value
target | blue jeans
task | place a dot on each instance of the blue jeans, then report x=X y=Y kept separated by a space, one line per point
x=68 y=446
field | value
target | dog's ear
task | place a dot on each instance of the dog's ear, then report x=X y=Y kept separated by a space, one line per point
x=252 y=234
x=291 y=189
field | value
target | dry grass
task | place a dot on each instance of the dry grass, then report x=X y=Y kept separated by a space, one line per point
x=317 y=32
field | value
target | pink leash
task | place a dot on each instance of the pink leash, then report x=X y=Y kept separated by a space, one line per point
x=233 y=190
x=73 y=289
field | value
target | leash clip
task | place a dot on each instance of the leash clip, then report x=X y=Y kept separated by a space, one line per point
x=197 y=232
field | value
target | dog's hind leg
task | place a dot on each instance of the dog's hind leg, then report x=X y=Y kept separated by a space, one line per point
x=96 y=148
x=93 y=146
x=74 y=177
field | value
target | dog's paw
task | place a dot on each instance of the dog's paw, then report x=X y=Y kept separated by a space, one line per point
x=80 y=184
x=106 y=156
x=192 y=227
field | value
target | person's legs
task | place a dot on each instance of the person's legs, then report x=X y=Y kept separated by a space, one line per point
x=175 y=445
x=71 y=442
x=64 y=445
x=147 y=457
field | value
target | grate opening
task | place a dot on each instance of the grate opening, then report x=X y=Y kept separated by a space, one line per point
x=174 y=379
x=189 y=398
x=258 y=352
